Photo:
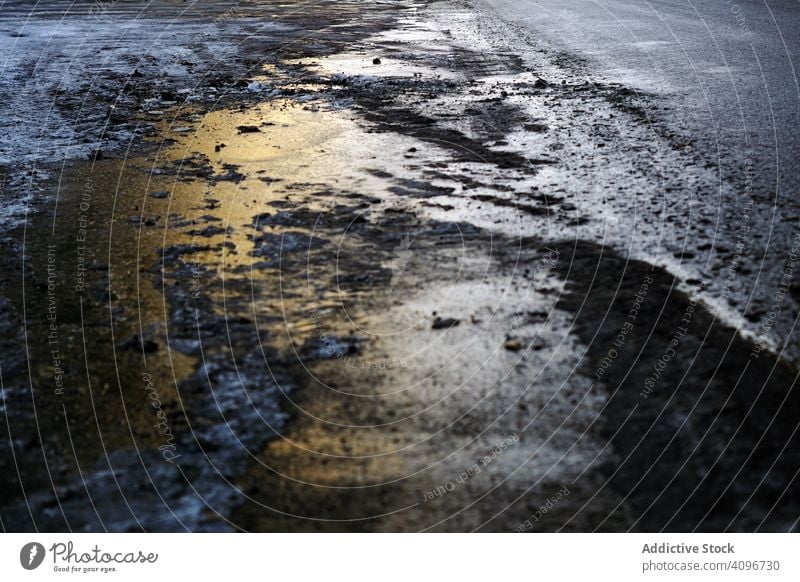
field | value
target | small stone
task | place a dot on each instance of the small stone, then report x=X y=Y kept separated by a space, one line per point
x=376 y=61
x=248 y=129
x=137 y=344
x=540 y=83
x=513 y=345
x=538 y=315
x=444 y=323
x=160 y=194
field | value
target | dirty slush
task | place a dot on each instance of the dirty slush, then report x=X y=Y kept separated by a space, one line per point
x=340 y=267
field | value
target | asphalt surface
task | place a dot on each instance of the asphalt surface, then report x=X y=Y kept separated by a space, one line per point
x=730 y=66
x=720 y=78
x=447 y=266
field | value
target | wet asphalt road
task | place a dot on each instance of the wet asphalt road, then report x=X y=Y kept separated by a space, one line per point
x=340 y=401
x=730 y=67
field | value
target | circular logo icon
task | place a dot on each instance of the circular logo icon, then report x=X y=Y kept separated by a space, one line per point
x=31 y=555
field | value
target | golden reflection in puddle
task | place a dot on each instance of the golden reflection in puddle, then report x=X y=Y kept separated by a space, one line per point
x=236 y=165
x=230 y=167
x=285 y=153
x=272 y=152
x=104 y=298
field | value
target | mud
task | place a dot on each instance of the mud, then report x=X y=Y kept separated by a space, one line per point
x=380 y=296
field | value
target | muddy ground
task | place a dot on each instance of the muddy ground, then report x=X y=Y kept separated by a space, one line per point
x=380 y=267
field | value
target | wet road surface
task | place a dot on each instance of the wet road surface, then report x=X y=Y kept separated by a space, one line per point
x=383 y=268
